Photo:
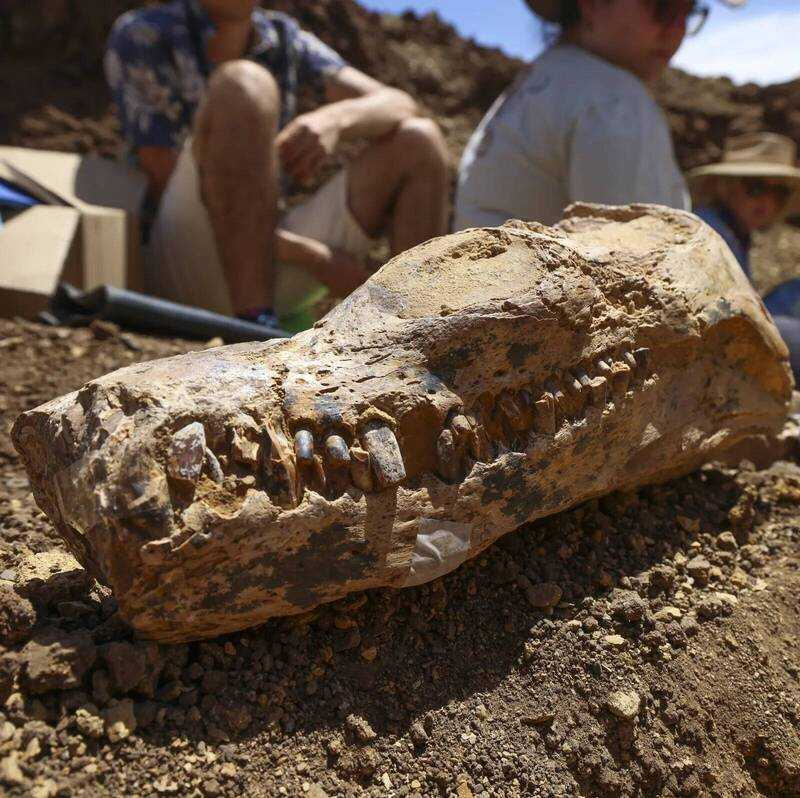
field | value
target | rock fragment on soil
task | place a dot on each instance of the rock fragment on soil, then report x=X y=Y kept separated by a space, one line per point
x=56 y=660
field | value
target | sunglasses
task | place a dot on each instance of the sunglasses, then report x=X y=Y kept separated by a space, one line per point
x=755 y=188
x=668 y=12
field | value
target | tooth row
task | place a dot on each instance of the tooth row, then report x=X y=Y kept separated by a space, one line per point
x=463 y=441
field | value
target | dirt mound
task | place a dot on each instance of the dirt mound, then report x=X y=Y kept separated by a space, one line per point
x=644 y=644
x=53 y=48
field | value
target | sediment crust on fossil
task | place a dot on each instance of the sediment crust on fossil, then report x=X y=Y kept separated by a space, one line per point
x=478 y=381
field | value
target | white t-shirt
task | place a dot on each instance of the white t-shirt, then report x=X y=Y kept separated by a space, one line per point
x=572 y=127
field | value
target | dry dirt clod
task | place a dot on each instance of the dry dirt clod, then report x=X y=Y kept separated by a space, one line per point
x=56 y=660
x=17 y=616
x=624 y=704
x=119 y=720
x=360 y=729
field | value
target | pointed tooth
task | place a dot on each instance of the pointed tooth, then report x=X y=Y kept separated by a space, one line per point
x=337 y=451
x=462 y=428
x=214 y=468
x=642 y=358
x=385 y=455
x=544 y=415
x=599 y=389
x=621 y=378
x=572 y=385
x=447 y=456
x=304 y=447
x=361 y=470
x=518 y=419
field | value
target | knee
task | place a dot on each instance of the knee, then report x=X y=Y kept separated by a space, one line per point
x=243 y=87
x=420 y=143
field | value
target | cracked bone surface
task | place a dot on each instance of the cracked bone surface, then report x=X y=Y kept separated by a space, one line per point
x=476 y=382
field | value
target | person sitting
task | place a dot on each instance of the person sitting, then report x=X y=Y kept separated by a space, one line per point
x=756 y=185
x=207 y=94
x=580 y=123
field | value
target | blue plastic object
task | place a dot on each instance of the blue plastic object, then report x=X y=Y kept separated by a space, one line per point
x=13 y=197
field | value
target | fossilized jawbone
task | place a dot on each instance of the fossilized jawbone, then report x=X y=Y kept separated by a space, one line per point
x=476 y=382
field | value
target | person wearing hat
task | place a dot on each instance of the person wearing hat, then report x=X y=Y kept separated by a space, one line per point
x=581 y=123
x=754 y=186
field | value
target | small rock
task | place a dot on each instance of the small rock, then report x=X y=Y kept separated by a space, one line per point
x=10 y=772
x=47 y=788
x=127 y=665
x=52 y=576
x=727 y=542
x=615 y=641
x=234 y=717
x=543 y=595
x=624 y=704
x=120 y=720
x=463 y=790
x=716 y=605
x=17 y=616
x=56 y=660
x=360 y=729
x=541 y=717
x=418 y=734
x=698 y=568
x=369 y=654
x=739 y=578
x=667 y=614
x=628 y=606
x=89 y=722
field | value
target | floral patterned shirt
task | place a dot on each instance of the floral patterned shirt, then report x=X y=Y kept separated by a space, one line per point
x=156 y=77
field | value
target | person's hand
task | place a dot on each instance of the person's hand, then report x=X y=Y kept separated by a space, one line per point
x=306 y=143
x=336 y=269
x=343 y=273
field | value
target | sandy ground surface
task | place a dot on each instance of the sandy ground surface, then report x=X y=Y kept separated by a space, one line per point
x=644 y=644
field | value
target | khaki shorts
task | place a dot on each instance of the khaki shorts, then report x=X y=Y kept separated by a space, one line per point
x=183 y=265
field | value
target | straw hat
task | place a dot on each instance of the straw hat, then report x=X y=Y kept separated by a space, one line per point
x=551 y=9
x=751 y=155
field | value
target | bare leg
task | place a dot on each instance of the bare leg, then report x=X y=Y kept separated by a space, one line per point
x=402 y=181
x=234 y=149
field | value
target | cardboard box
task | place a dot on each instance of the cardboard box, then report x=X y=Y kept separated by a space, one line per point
x=104 y=197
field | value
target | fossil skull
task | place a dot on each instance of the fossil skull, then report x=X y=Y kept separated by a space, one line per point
x=477 y=382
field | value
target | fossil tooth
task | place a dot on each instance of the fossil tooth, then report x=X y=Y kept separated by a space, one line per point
x=337 y=451
x=462 y=428
x=361 y=470
x=544 y=415
x=214 y=468
x=599 y=389
x=187 y=453
x=621 y=379
x=304 y=447
x=518 y=419
x=272 y=549
x=447 y=456
x=642 y=358
x=384 y=452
